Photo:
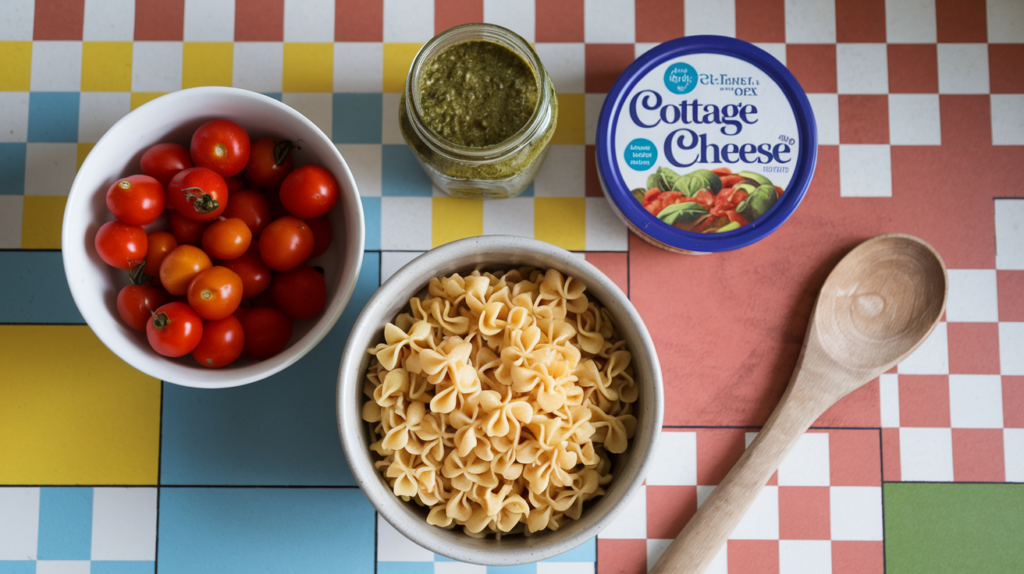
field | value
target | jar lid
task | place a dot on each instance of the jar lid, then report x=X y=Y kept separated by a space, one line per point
x=706 y=144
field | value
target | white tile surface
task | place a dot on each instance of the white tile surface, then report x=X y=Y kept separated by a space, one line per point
x=393 y=546
x=762 y=520
x=124 y=523
x=564 y=568
x=56 y=66
x=1005 y=21
x=972 y=296
x=11 y=207
x=675 y=463
x=963 y=68
x=390 y=132
x=509 y=216
x=808 y=463
x=98 y=111
x=308 y=20
x=19 y=521
x=655 y=548
x=405 y=223
x=365 y=161
x=776 y=49
x=889 y=400
x=156 y=66
x=926 y=454
x=703 y=492
x=632 y=522
x=319 y=108
x=17 y=21
x=458 y=568
x=826 y=116
x=805 y=556
x=710 y=17
x=640 y=48
x=209 y=21
x=63 y=567
x=914 y=119
x=564 y=63
x=109 y=20
x=392 y=261
x=862 y=69
x=609 y=21
x=810 y=21
x=258 y=66
x=1011 y=348
x=605 y=231
x=976 y=401
x=1007 y=119
x=50 y=168
x=865 y=170
x=910 y=21
x=13 y=116
x=358 y=67
x=560 y=174
x=1013 y=453
x=931 y=358
x=408 y=20
x=516 y=15
x=593 y=104
x=856 y=512
x=1009 y=233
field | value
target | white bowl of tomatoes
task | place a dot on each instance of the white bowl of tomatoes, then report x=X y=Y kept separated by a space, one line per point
x=212 y=237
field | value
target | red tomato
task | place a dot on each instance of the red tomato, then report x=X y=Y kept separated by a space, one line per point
x=322 y=235
x=222 y=146
x=181 y=266
x=286 y=243
x=235 y=183
x=251 y=207
x=273 y=196
x=221 y=344
x=267 y=331
x=309 y=191
x=187 y=231
x=124 y=246
x=164 y=161
x=254 y=272
x=300 y=293
x=198 y=193
x=160 y=244
x=226 y=239
x=136 y=304
x=270 y=162
x=215 y=293
x=136 y=199
x=174 y=330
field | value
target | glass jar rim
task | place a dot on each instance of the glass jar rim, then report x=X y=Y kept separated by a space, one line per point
x=538 y=121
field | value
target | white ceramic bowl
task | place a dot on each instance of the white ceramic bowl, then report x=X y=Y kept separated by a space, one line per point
x=492 y=253
x=173 y=118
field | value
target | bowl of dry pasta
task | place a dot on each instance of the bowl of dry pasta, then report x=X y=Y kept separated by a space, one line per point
x=499 y=399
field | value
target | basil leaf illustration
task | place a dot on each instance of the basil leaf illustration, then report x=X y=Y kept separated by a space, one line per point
x=663 y=178
x=682 y=213
x=728 y=227
x=747 y=187
x=758 y=203
x=710 y=179
x=639 y=194
x=760 y=179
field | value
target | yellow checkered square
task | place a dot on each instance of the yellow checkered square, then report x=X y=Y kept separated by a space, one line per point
x=308 y=68
x=455 y=218
x=106 y=66
x=83 y=152
x=561 y=221
x=139 y=98
x=397 y=61
x=572 y=125
x=15 y=66
x=41 y=220
x=207 y=64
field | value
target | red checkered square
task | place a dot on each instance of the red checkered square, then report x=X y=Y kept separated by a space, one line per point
x=924 y=400
x=863 y=119
x=615 y=556
x=761 y=20
x=804 y=513
x=973 y=348
x=560 y=21
x=858 y=557
x=162 y=20
x=717 y=451
x=614 y=265
x=658 y=21
x=592 y=180
x=814 y=66
x=854 y=458
x=858 y=409
x=967 y=125
x=358 y=21
x=59 y=19
x=259 y=21
x=1004 y=75
x=891 y=455
x=978 y=455
x=961 y=21
x=672 y=508
x=753 y=556
x=1013 y=402
x=448 y=13
x=913 y=69
x=860 y=20
x=604 y=64
x=1009 y=286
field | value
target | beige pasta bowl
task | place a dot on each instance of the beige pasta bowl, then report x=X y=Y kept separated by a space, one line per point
x=626 y=469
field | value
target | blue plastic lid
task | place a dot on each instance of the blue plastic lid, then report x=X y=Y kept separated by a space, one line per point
x=723 y=127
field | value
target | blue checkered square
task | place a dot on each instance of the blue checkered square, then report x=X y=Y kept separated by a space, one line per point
x=65 y=524
x=371 y=211
x=356 y=118
x=53 y=117
x=402 y=175
x=12 y=168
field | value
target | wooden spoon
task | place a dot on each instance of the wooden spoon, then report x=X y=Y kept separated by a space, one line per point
x=876 y=307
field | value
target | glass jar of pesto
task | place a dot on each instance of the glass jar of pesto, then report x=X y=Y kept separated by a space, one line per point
x=479 y=111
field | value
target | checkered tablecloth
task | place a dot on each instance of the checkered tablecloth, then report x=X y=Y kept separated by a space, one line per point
x=920 y=112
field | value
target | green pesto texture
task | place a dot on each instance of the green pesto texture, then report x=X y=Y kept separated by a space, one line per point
x=939 y=528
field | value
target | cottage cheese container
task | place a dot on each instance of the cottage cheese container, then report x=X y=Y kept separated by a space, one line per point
x=706 y=144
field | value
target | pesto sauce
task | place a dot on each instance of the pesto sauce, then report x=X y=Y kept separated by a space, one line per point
x=477 y=93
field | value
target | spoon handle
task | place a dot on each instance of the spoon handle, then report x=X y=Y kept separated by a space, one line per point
x=698 y=544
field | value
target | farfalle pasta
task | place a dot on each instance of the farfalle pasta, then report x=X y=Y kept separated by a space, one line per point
x=497 y=400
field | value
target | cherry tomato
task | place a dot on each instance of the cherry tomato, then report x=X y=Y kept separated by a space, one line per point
x=270 y=162
x=198 y=193
x=254 y=272
x=267 y=331
x=221 y=344
x=273 y=196
x=160 y=244
x=309 y=191
x=187 y=231
x=251 y=207
x=174 y=330
x=215 y=293
x=264 y=299
x=286 y=243
x=222 y=146
x=122 y=245
x=235 y=183
x=226 y=239
x=164 y=161
x=300 y=293
x=181 y=266
x=322 y=235
x=136 y=304
x=136 y=199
